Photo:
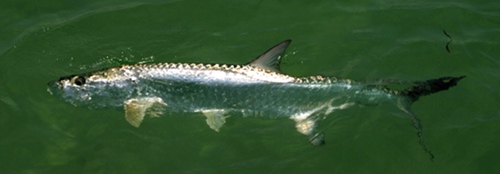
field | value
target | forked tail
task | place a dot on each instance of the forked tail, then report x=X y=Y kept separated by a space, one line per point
x=423 y=88
x=431 y=86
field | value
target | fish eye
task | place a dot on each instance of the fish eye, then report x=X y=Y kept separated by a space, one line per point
x=78 y=80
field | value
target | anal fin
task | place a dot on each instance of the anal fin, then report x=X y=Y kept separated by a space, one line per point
x=308 y=128
x=137 y=108
x=306 y=124
x=215 y=118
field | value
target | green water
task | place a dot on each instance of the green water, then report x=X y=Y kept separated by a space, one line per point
x=43 y=40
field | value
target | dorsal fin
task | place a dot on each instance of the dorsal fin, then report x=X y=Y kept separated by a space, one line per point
x=270 y=59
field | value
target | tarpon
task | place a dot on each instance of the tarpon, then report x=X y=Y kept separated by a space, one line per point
x=258 y=88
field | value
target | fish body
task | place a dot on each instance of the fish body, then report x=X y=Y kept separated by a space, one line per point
x=258 y=88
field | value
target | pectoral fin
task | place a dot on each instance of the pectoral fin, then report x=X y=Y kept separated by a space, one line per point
x=215 y=118
x=136 y=109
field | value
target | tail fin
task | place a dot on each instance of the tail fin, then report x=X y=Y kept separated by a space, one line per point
x=412 y=94
x=431 y=86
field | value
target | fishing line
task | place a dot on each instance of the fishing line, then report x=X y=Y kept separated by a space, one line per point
x=418 y=127
x=449 y=41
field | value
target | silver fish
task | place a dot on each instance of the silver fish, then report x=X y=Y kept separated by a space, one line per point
x=258 y=88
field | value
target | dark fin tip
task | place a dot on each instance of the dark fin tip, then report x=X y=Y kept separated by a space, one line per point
x=318 y=139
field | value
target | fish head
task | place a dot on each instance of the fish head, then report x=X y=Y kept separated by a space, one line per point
x=95 y=90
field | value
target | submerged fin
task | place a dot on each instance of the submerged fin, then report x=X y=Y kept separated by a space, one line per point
x=215 y=118
x=308 y=128
x=270 y=59
x=306 y=125
x=136 y=109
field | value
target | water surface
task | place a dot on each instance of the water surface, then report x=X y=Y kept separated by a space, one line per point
x=363 y=40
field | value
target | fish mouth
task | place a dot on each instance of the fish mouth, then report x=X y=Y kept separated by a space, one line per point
x=54 y=87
